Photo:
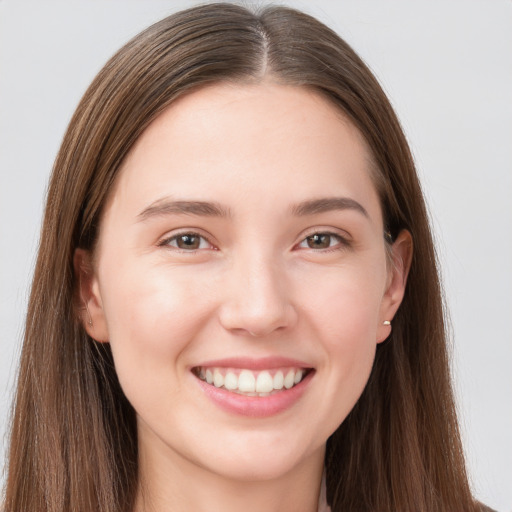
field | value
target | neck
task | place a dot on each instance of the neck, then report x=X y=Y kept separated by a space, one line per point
x=171 y=483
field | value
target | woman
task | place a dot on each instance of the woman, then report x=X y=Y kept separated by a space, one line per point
x=226 y=303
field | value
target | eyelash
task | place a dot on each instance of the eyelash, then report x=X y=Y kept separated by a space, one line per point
x=191 y=234
x=342 y=242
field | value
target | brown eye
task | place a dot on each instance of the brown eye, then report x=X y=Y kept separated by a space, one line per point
x=187 y=242
x=324 y=241
x=319 y=241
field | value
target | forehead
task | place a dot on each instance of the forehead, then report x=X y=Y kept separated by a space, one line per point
x=229 y=141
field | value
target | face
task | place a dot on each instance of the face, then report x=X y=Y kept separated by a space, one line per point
x=242 y=279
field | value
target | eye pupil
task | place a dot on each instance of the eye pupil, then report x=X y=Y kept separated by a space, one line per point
x=188 y=242
x=319 y=241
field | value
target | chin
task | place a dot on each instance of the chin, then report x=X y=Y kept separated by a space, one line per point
x=259 y=461
x=259 y=469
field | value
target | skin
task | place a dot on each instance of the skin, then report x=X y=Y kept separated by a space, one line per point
x=254 y=287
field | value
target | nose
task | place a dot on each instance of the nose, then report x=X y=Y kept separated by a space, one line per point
x=257 y=299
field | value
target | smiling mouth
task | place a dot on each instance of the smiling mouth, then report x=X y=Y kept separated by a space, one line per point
x=252 y=383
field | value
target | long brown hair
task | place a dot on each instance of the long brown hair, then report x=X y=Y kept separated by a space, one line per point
x=73 y=439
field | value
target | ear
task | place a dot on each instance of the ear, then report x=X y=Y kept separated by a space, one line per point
x=89 y=298
x=401 y=257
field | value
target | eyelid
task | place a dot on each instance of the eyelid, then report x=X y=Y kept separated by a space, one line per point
x=345 y=240
x=164 y=242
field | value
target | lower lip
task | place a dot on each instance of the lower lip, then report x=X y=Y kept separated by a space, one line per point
x=256 y=406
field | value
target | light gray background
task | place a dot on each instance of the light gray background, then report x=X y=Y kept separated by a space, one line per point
x=447 y=67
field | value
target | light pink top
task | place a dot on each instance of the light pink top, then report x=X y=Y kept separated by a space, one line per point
x=322 y=500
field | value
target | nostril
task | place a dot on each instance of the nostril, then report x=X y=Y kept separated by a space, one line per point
x=251 y=321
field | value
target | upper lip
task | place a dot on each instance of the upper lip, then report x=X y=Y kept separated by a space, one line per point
x=263 y=363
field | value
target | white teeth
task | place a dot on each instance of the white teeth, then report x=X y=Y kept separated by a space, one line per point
x=231 y=381
x=246 y=381
x=257 y=383
x=279 y=380
x=289 y=379
x=218 y=379
x=264 y=383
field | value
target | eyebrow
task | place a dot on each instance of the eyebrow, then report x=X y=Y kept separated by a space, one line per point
x=327 y=204
x=166 y=206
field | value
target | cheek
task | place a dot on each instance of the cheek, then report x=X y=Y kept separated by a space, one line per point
x=350 y=340
x=152 y=316
x=345 y=304
x=345 y=318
